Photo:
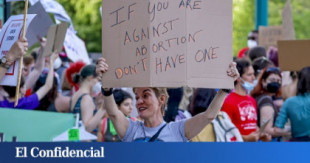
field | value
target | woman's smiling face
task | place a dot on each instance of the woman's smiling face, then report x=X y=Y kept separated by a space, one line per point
x=147 y=103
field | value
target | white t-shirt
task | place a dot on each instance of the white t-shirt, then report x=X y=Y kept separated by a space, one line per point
x=172 y=132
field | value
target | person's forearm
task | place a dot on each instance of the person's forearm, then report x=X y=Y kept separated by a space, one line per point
x=119 y=120
x=248 y=138
x=194 y=125
x=280 y=132
x=39 y=65
x=93 y=122
x=35 y=74
x=50 y=76
x=110 y=105
x=216 y=105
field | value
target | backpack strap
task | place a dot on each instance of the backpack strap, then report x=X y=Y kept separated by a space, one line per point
x=154 y=137
x=222 y=126
x=77 y=101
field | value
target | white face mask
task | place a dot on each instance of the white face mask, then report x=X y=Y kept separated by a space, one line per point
x=57 y=63
x=248 y=86
x=96 y=88
x=252 y=43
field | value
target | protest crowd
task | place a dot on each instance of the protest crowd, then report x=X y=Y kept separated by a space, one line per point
x=265 y=105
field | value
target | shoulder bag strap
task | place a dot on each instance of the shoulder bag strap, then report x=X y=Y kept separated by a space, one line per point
x=154 y=137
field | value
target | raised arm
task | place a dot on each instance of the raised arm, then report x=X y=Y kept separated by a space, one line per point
x=18 y=49
x=49 y=80
x=119 y=121
x=38 y=67
x=89 y=120
x=194 y=125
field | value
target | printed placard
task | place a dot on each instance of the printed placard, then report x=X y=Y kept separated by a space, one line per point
x=75 y=47
x=9 y=34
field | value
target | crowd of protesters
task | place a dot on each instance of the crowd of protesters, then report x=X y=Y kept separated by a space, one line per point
x=265 y=104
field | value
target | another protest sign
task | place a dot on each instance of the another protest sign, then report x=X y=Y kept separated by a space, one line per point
x=268 y=36
x=40 y=24
x=287 y=22
x=9 y=34
x=75 y=48
x=294 y=54
x=167 y=43
x=33 y=126
x=55 y=38
x=54 y=7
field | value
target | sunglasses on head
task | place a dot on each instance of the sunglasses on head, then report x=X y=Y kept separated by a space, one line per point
x=273 y=69
x=251 y=38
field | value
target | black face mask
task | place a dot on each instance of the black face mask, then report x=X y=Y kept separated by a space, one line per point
x=273 y=87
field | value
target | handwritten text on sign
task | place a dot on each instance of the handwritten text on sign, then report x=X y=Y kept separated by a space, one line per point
x=161 y=43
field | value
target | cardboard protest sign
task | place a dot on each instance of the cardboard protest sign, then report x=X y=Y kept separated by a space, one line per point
x=55 y=38
x=294 y=54
x=9 y=34
x=33 y=126
x=268 y=36
x=167 y=43
x=287 y=22
x=40 y=24
x=75 y=48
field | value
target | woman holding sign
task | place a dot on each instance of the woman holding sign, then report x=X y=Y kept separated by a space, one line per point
x=150 y=104
x=82 y=101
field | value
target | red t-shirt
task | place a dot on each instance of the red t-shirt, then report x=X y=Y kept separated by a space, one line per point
x=242 y=112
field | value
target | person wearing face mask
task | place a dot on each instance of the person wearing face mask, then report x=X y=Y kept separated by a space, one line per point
x=268 y=97
x=241 y=107
x=252 y=42
x=82 y=101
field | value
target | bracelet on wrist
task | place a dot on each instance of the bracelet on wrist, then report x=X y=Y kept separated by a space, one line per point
x=227 y=90
x=107 y=92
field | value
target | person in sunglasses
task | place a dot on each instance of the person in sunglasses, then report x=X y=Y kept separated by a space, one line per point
x=252 y=42
x=297 y=109
x=267 y=94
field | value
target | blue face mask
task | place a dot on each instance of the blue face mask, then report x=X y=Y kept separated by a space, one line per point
x=248 y=86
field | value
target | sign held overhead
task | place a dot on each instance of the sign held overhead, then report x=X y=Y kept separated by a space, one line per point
x=168 y=43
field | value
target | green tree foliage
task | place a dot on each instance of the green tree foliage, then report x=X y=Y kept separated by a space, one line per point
x=86 y=19
x=244 y=19
x=301 y=16
x=243 y=22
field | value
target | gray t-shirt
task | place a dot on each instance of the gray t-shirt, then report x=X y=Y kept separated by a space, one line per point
x=172 y=132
